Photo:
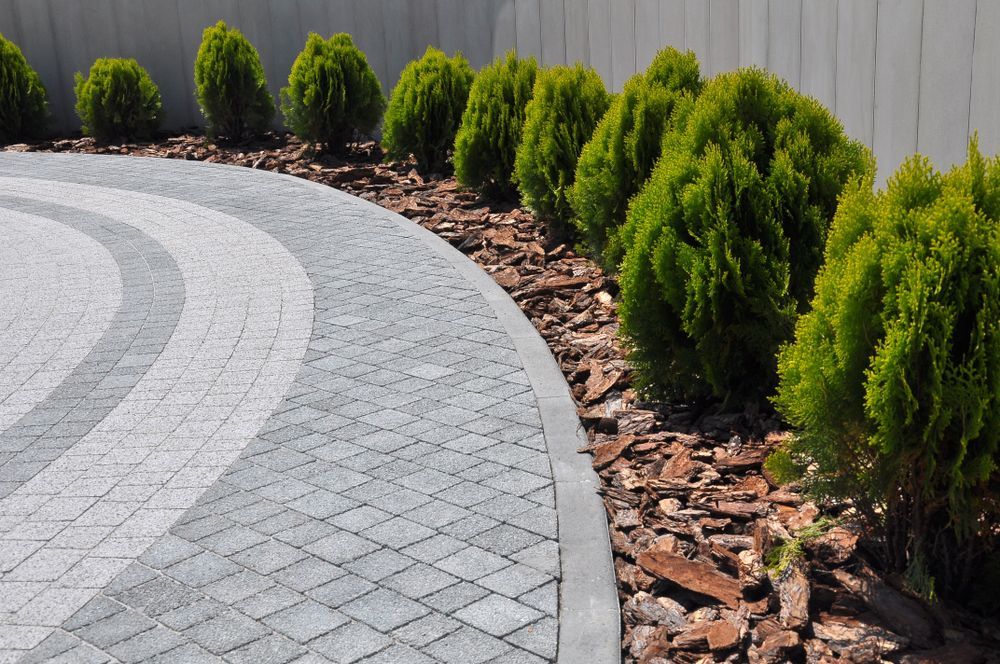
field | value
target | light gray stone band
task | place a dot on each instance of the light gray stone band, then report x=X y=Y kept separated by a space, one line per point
x=151 y=299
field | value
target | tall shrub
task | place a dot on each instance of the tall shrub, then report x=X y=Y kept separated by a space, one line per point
x=893 y=380
x=566 y=105
x=118 y=100
x=490 y=132
x=332 y=95
x=724 y=240
x=230 y=84
x=23 y=101
x=619 y=157
x=425 y=109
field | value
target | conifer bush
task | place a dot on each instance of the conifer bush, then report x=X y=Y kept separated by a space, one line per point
x=893 y=380
x=491 y=126
x=724 y=240
x=619 y=157
x=23 y=100
x=566 y=105
x=332 y=95
x=230 y=84
x=425 y=109
x=118 y=100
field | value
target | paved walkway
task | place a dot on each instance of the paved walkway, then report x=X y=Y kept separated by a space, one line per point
x=247 y=418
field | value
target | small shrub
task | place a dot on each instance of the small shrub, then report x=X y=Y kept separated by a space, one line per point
x=618 y=159
x=332 y=94
x=425 y=109
x=118 y=100
x=490 y=132
x=23 y=101
x=893 y=379
x=724 y=240
x=230 y=84
x=566 y=105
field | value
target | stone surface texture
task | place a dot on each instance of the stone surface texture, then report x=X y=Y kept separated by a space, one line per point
x=246 y=419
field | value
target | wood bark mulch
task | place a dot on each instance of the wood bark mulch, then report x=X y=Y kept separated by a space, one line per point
x=695 y=520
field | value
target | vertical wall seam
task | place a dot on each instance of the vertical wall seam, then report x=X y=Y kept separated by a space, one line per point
x=836 y=52
x=920 y=72
x=875 y=76
x=972 y=70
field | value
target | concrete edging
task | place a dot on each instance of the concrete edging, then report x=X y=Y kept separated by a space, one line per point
x=589 y=613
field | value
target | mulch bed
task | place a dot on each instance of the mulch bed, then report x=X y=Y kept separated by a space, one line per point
x=692 y=513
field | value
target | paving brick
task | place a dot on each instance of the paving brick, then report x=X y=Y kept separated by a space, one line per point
x=350 y=643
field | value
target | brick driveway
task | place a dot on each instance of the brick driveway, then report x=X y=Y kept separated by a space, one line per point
x=245 y=418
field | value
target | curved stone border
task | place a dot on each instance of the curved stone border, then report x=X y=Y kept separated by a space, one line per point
x=589 y=614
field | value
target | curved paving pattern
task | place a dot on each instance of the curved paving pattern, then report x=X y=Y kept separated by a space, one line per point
x=273 y=423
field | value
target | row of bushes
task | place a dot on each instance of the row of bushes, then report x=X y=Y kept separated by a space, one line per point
x=332 y=95
x=755 y=259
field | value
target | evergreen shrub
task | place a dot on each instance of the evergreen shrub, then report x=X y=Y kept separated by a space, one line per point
x=724 y=240
x=619 y=157
x=491 y=127
x=566 y=105
x=230 y=84
x=23 y=100
x=332 y=95
x=425 y=109
x=118 y=100
x=893 y=380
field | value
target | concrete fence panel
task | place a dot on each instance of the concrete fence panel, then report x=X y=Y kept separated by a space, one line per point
x=901 y=75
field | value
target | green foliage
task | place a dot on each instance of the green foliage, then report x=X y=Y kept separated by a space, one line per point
x=425 y=109
x=23 y=101
x=490 y=132
x=117 y=100
x=786 y=553
x=893 y=380
x=618 y=159
x=724 y=240
x=566 y=105
x=230 y=84
x=332 y=93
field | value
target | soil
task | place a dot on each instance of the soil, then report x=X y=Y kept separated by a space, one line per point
x=695 y=520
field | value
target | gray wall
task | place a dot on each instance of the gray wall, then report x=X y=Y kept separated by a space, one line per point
x=903 y=75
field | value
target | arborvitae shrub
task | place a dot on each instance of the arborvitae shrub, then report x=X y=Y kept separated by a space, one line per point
x=23 y=102
x=619 y=157
x=118 y=100
x=724 y=240
x=893 y=380
x=425 y=109
x=490 y=132
x=230 y=84
x=332 y=95
x=566 y=105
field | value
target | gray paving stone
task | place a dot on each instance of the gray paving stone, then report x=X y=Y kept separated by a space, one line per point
x=306 y=621
x=384 y=610
x=497 y=615
x=225 y=632
x=350 y=643
x=272 y=649
x=467 y=645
